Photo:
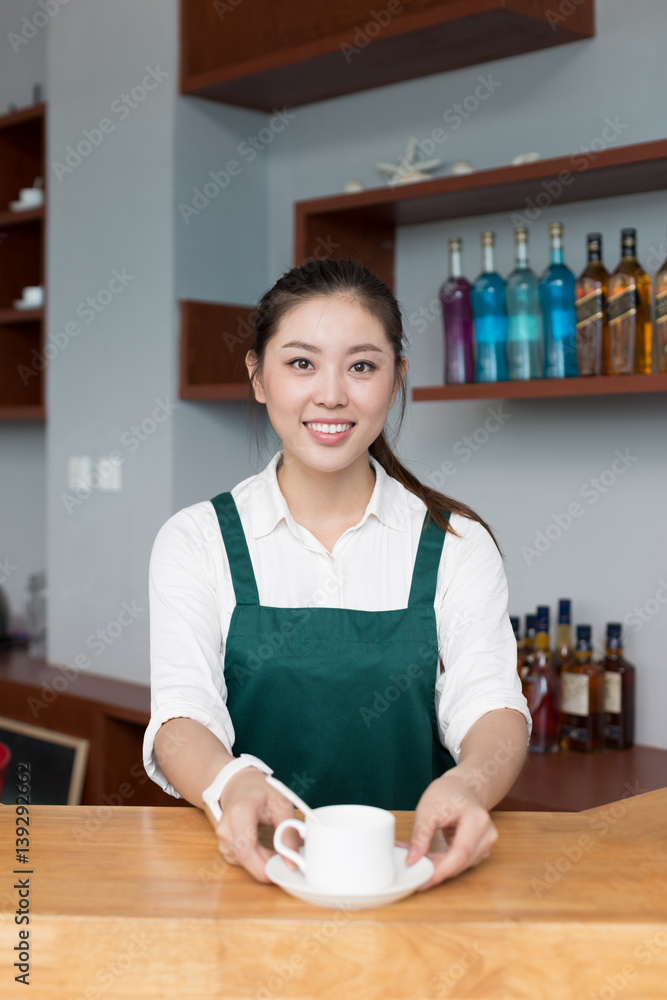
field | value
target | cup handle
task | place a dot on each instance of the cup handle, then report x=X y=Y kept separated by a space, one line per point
x=287 y=852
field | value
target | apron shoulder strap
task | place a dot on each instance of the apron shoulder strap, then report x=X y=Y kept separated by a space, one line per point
x=425 y=573
x=240 y=564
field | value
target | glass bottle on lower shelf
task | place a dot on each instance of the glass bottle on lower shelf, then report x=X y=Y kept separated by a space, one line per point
x=489 y=307
x=516 y=628
x=619 y=693
x=590 y=293
x=541 y=688
x=661 y=319
x=556 y=293
x=457 y=319
x=563 y=647
x=582 y=709
x=629 y=313
x=528 y=646
x=525 y=340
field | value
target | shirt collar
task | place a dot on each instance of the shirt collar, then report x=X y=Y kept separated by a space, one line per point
x=387 y=503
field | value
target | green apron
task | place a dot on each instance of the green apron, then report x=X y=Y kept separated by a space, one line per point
x=340 y=703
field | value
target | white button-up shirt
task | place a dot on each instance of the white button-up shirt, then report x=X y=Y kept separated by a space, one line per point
x=370 y=569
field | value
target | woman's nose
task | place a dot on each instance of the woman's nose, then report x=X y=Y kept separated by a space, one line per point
x=330 y=388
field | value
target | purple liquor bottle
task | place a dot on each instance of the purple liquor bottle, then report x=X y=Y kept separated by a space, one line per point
x=455 y=299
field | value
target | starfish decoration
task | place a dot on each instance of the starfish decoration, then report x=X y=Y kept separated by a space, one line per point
x=408 y=169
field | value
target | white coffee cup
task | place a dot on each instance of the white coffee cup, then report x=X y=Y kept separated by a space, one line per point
x=31 y=196
x=33 y=295
x=348 y=849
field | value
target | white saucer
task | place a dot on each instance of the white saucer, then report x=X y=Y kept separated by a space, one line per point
x=26 y=306
x=408 y=878
x=21 y=206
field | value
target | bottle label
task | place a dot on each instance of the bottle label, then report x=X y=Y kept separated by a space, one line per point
x=612 y=732
x=575 y=733
x=612 y=692
x=622 y=304
x=575 y=694
x=590 y=307
x=661 y=307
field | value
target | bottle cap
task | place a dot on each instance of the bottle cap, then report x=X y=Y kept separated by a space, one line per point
x=531 y=622
x=594 y=238
x=583 y=633
x=488 y=238
x=564 y=608
x=613 y=630
x=455 y=243
x=543 y=618
x=521 y=234
x=556 y=228
x=628 y=239
x=514 y=622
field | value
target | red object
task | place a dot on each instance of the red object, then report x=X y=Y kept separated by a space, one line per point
x=5 y=757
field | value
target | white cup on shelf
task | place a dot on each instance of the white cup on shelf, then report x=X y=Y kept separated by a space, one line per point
x=31 y=197
x=33 y=296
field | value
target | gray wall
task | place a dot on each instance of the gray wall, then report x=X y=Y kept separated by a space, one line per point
x=612 y=558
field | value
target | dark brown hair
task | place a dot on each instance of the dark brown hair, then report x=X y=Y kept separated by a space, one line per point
x=349 y=279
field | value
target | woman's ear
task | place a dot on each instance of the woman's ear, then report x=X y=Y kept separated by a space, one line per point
x=251 y=365
x=400 y=378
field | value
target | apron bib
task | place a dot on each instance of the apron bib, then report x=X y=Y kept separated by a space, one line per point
x=340 y=703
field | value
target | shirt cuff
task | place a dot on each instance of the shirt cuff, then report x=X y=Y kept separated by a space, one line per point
x=457 y=729
x=177 y=711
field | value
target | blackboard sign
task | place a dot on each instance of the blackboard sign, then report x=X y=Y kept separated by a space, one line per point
x=57 y=764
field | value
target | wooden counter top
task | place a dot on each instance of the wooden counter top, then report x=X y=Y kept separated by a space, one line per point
x=137 y=902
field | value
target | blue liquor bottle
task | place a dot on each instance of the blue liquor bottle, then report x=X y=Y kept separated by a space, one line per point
x=556 y=290
x=489 y=307
x=525 y=341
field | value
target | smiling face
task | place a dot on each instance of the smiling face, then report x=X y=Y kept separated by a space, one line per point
x=328 y=380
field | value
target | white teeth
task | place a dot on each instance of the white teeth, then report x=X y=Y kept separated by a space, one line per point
x=329 y=428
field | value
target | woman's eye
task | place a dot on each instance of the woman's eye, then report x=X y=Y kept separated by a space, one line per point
x=300 y=363
x=363 y=366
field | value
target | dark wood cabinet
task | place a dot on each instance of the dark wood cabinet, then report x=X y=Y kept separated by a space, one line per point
x=111 y=715
x=267 y=54
x=22 y=262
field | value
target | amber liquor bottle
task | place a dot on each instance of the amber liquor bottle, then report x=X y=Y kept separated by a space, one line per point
x=590 y=293
x=541 y=688
x=582 y=708
x=661 y=319
x=619 y=693
x=563 y=647
x=516 y=628
x=629 y=313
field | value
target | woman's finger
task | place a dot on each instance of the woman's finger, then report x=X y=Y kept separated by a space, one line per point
x=473 y=839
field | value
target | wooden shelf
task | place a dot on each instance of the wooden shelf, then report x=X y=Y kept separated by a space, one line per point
x=267 y=54
x=22 y=263
x=601 y=385
x=363 y=225
x=214 y=340
x=22 y=412
x=9 y=218
x=21 y=315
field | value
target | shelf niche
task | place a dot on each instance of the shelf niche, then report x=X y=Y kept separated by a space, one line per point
x=22 y=262
x=214 y=340
x=267 y=54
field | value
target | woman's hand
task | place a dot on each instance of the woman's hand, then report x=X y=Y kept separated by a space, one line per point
x=449 y=804
x=247 y=800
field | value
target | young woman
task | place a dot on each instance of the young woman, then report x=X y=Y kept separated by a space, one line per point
x=332 y=619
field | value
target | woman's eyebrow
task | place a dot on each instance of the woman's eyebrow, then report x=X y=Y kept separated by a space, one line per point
x=316 y=350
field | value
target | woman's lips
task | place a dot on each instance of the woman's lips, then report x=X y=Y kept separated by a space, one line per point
x=329 y=436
